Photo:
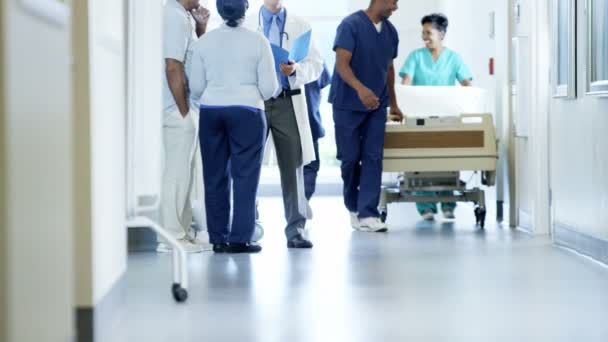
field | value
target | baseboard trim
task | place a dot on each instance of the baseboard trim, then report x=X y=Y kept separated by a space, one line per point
x=593 y=247
x=95 y=324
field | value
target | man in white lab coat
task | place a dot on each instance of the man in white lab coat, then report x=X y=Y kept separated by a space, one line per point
x=287 y=113
x=179 y=130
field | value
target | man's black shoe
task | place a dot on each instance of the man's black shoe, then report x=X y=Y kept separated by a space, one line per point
x=299 y=241
x=220 y=248
x=237 y=248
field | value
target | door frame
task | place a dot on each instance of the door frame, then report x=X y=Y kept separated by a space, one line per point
x=540 y=40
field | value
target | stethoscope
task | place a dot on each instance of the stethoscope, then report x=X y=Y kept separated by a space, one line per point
x=282 y=32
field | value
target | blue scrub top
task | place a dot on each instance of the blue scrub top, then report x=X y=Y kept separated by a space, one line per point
x=372 y=53
x=448 y=69
x=313 y=101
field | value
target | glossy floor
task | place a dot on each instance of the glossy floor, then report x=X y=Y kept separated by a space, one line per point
x=444 y=281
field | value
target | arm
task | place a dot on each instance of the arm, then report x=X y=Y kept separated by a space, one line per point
x=463 y=74
x=395 y=112
x=406 y=80
x=200 y=29
x=343 y=59
x=408 y=69
x=175 y=43
x=466 y=83
x=176 y=78
x=391 y=85
x=201 y=18
x=267 y=77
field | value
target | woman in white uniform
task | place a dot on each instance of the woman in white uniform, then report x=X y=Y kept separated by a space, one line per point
x=232 y=74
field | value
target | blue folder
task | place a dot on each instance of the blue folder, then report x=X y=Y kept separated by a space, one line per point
x=281 y=56
x=300 y=47
x=299 y=51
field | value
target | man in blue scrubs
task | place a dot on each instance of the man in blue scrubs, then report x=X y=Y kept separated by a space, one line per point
x=313 y=102
x=362 y=88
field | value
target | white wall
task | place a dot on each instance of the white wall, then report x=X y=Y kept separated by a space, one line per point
x=469 y=35
x=100 y=83
x=145 y=102
x=38 y=224
x=579 y=162
x=407 y=21
x=108 y=143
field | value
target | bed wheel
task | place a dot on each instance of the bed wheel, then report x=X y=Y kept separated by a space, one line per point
x=180 y=294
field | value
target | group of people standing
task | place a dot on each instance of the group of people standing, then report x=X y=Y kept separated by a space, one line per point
x=241 y=97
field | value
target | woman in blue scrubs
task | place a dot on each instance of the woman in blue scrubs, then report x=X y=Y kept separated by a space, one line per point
x=231 y=74
x=435 y=65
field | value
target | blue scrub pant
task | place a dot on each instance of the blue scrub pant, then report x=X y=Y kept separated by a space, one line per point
x=310 y=173
x=232 y=145
x=360 y=142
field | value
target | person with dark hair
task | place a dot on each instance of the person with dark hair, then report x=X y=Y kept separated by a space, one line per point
x=362 y=89
x=179 y=128
x=435 y=65
x=232 y=73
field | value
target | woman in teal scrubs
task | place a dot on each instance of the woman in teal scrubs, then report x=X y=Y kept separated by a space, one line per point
x=435 y=65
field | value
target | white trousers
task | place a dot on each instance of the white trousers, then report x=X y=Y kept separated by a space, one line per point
x=179 y=141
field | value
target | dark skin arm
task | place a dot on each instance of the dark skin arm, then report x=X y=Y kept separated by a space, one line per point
x=395 y=112
x=367 y=97
x=176 y=78
x=201 y=17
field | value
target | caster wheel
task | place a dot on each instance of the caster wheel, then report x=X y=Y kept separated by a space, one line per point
x=488 y=178
x=179 y=293
x=383 y=216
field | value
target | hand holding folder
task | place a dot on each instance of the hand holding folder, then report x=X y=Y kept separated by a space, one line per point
x=299 y=51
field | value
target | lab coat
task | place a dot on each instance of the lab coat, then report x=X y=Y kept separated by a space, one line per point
x=307 y=70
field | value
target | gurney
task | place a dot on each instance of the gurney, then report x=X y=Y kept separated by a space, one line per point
x=446 y=130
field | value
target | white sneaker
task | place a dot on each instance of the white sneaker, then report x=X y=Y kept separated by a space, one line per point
x=188 y=246
x=373 y=225
x=428 y=215
x=449 y=214
x=354 y=220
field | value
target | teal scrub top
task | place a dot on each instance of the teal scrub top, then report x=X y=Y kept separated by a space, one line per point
x=448 y=69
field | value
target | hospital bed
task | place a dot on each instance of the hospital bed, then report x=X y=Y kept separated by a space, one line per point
x=446 y=130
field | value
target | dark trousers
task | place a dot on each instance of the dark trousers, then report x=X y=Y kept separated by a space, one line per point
x=360 y=142
x=232 y=145
x=311 y=172
x=282 y=123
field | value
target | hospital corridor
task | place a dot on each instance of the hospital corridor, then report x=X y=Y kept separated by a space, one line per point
x=303 y=170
